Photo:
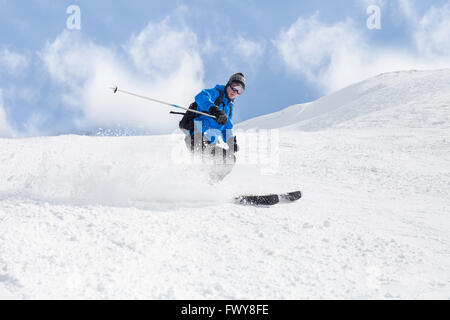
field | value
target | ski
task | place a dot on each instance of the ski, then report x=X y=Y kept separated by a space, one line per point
x=269 y=199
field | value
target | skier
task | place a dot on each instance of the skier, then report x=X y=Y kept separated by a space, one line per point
x=207 y=136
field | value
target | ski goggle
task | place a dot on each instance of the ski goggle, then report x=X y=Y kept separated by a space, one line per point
x=237 y=87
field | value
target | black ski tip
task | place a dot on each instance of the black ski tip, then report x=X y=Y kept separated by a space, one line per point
x=115 y=89
x=266 y=200
x=292 y=196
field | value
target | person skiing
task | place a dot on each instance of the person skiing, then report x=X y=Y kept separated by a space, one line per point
x=207 y=135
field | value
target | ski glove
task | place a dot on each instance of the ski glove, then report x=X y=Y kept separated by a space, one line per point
x=221 y=117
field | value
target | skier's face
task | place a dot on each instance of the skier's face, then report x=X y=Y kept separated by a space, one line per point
x=232 y=92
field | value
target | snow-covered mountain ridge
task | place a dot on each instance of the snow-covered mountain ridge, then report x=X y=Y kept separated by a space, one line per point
x=404 y=99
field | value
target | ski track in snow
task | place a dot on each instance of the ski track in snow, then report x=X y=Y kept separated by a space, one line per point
x=115 y=218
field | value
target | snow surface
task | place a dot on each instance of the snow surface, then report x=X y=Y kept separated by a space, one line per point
x=118 y=217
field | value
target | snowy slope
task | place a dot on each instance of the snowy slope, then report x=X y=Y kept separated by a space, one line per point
x=124 y=217
x=404 y=99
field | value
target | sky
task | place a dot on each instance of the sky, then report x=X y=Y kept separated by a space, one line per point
x=59 y=58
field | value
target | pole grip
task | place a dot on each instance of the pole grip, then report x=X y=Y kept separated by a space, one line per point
x=180 y=113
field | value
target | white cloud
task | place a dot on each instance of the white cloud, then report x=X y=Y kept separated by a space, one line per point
x=243 y=53
x=366 y=3
x=13 y=63
x=5 y=129
x=333 y=56
x=161 y=62
x=327 y=55
x=34 y=124
x=407 y=10
x=22 y=94
x=432 y=34
x=160 y=50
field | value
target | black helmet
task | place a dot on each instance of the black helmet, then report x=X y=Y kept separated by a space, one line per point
x=237 y=77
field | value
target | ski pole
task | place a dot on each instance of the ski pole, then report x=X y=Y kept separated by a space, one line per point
x=116 y=89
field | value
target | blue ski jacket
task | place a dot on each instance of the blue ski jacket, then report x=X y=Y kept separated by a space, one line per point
x=209 y=126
